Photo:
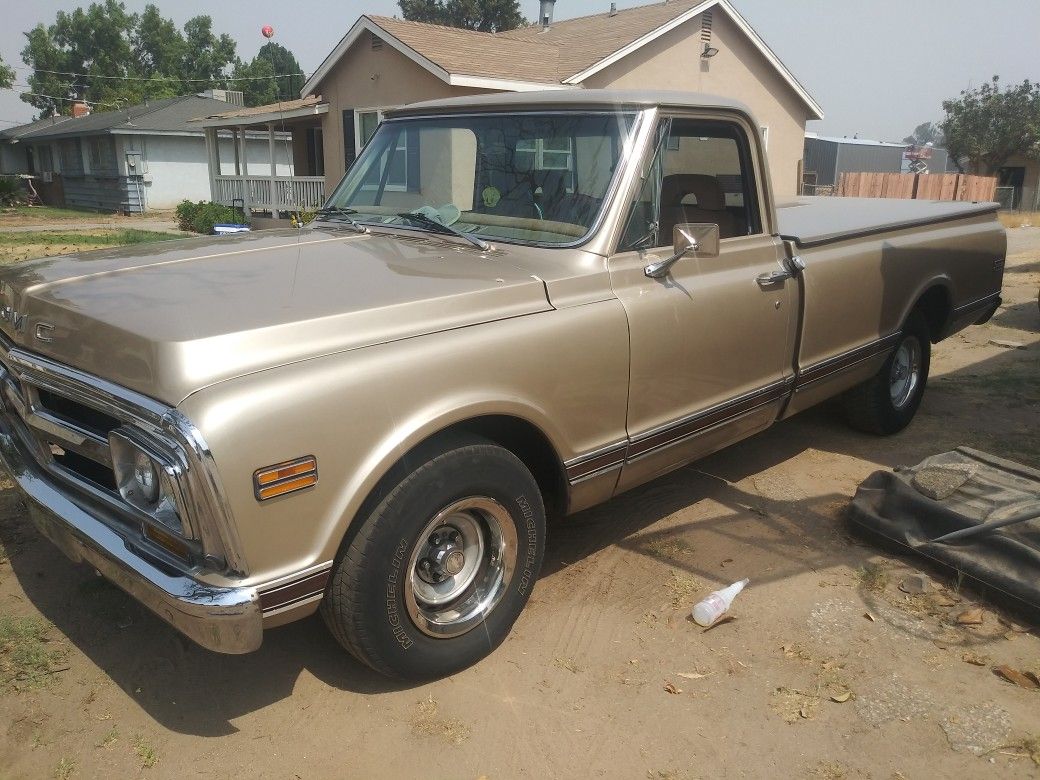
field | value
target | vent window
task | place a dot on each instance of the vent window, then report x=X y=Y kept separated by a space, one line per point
x=377 y=43
x=706 y=27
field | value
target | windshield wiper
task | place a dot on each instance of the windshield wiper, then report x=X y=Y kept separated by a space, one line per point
x=439 y=227
x=340 y=214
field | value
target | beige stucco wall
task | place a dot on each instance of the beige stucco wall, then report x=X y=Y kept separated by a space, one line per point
x=366 y=79
x=738 y=71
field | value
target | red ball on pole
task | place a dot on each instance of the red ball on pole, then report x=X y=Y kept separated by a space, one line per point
x=267 y=31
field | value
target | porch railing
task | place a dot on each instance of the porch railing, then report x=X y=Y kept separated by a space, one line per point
x=271 y=193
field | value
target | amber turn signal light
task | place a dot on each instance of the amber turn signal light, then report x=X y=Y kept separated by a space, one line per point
x=287 y=477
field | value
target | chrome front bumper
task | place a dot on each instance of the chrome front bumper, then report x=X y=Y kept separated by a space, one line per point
x=226 y=620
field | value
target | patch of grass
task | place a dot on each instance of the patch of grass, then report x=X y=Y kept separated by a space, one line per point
x=46 y=213
x=684 y=589
x=873 y=577
x=27 y=658
x=1028 y=747
x=427 y=723
x=1017 y=219
x=109 y=739
x=64 y=769
x=148 y=754
x=15 y=247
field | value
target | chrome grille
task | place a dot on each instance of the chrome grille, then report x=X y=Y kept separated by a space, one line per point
x=63 y=418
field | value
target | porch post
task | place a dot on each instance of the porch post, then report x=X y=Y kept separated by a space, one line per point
x=212 y=161
x=274 y=171
x=244 y=155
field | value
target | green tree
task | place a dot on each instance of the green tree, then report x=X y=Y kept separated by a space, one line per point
x=107 y=56
x=989 y=125
x=924 y=134
x=270 y=76
x=482 y=15
x=6 y=75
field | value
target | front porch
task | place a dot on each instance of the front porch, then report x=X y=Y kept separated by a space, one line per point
x=263 y=188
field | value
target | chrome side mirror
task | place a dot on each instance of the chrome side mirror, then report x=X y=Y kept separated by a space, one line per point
x=696 y=238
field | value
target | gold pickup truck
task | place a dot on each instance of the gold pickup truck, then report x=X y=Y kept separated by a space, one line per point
x=513 y=307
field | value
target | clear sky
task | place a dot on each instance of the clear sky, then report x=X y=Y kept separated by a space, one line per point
x=878 y=67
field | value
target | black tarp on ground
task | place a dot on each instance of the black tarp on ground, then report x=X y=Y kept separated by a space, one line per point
x=955 y=490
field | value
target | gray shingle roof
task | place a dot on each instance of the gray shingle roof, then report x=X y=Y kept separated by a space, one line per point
x=16 y=132
x=170 y=115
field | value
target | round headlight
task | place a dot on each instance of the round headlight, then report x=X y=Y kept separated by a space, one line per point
x=146 y=478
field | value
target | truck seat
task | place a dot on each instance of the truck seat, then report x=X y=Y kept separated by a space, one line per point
x=710 y=206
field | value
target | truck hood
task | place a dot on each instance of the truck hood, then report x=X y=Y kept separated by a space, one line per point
x=169 y=318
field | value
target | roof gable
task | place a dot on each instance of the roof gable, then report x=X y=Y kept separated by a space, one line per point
x=562 y=56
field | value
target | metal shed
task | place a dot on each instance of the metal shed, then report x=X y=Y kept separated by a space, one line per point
x=826 y=158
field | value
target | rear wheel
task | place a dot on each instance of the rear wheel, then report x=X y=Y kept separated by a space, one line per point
x=442 y=566
x=888 y=401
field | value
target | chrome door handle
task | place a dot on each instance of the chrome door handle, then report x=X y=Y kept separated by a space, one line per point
x=772 y=278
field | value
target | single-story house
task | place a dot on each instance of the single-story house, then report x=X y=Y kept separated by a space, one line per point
x=148 y=156
x=382 y=62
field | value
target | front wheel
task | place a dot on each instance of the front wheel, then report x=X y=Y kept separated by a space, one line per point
x=442 y=566
x=888 y=401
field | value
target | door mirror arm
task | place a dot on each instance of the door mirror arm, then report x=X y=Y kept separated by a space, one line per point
x=701 y=239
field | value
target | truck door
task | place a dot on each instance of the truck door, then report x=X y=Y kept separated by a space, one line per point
x=712 y=340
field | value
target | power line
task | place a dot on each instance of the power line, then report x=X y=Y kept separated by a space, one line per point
x=68 y=99
x=156 y=78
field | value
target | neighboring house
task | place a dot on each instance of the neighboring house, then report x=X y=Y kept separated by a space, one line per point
x=689 y=45
x=147 y=156
x=826 y=158
x=14 y=156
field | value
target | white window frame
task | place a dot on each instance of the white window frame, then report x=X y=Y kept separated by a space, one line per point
x=764 y=130
x=402 y=146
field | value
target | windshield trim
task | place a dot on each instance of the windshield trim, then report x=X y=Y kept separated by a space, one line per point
x=627 y=150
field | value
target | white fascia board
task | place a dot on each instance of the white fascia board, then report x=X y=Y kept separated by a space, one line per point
x=737 y=19
x=505 y=85
x=361 y=25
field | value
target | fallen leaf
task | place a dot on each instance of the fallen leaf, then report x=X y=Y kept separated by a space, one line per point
x=868 y=616
x=691 y=675
x=1016 y=677
x=975 y=659
x=841 y=698
x=803 y=713
x=669 y=688
x=970 y=617
x=1034 y=677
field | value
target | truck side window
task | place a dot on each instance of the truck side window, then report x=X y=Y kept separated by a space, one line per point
x=702 y=173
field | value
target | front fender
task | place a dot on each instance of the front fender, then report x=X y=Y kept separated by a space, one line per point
x=565 y=372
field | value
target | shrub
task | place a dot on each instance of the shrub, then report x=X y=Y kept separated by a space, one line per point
x=202 y=216
x=11 y=191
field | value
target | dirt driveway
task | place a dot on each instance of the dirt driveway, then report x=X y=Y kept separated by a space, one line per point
x=802 y=684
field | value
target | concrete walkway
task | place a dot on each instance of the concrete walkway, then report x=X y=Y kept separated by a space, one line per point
x=66 y=226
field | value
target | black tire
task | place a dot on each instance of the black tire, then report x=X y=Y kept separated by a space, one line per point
x=870 y=406
x=369 y=604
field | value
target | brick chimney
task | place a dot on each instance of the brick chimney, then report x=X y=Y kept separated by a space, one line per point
x=79 y=108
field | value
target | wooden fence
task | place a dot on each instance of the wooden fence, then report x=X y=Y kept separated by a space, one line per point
x=922 y=186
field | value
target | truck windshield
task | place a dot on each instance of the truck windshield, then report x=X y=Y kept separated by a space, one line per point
x=524 y=177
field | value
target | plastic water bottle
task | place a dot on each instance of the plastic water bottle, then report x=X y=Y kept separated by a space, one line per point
x=714 y=606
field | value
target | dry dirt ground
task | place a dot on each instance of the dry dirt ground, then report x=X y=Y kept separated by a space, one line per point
x=801 y=684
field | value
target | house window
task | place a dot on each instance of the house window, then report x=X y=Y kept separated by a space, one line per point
x=365 y=125
x=546 y=154
x=94 y=150
x=44 y=159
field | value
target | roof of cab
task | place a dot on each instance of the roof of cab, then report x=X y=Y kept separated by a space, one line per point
x=572 y=98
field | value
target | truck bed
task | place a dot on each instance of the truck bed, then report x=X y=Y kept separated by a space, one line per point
x=821 y=220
